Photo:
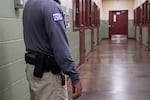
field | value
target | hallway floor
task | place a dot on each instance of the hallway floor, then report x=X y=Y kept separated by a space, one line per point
x=117 y=70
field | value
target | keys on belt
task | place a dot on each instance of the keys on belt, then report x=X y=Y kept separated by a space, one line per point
x=63 y=80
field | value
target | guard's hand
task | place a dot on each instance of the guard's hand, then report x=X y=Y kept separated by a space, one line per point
x=77 y=91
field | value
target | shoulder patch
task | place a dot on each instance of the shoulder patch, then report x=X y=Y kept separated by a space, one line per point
x=57 y=17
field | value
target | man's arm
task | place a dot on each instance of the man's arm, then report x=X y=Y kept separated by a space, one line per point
x=55 y=28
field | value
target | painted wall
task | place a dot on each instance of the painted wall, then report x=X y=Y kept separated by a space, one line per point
x=95 y=36
x=144 y=29
x=131 y=29
x=137 y=33
x=104 y=29
x=13 y=84
x=88 y=40
x=98 y=2
x=108 y=5
x=73 y=37
x=117 y=5
x=144 y=36
x=138 y=2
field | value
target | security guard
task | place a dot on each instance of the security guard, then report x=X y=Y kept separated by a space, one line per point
x=48 y=54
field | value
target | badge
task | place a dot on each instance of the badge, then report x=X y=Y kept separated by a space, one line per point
x=57 y=17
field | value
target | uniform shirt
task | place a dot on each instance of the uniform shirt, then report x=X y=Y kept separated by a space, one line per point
x=44 y=31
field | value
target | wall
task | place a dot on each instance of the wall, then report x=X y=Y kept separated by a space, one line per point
x=87 y=40
x=117 y=5
x=98 y=2
x=108 y=5
x=104 y=29
x=138 y=2
x=131 y=29
x=13 y=84
x=73 y=37
x=137 y=33
x=95 y=36
x=144 y=28
x=144 y=36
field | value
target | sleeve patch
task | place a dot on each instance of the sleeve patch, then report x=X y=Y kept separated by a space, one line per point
x=57 y=17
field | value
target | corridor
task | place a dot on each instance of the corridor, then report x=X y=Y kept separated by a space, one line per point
x=110 y=69
x=117 y=70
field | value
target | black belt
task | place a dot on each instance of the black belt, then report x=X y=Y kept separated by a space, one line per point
x=43 y=63
x=29 y=59
x=35 y=59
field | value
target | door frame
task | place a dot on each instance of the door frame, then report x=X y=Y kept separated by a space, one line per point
x=148 y=43
x=82 y=45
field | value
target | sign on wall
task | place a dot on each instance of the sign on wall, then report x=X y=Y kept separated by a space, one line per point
x=67 y=20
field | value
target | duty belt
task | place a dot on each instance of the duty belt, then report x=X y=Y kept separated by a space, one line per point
x=43 y=63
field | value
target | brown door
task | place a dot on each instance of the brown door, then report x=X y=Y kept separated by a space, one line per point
x=149 y=25
x=149 y=38
x=82 y=45
x=118 y=23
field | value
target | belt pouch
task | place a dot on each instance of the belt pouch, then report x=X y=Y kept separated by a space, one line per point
x=39 y=66
x=55 y=69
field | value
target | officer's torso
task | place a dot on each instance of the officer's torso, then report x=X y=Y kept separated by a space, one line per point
x=35 y=35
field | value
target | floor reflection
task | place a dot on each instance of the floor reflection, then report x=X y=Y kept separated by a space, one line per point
x=117 y=71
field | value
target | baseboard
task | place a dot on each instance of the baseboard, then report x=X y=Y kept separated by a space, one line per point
x=105 y=38
x=131 y=38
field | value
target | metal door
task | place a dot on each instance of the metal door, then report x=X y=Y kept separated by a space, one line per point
x=82 y=45
x=118 y=23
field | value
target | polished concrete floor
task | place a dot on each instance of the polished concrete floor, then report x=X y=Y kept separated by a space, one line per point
x=116 y=70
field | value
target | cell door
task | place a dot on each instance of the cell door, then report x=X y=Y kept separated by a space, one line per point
x=82 y=45
x=149 y=25
x=149 y=38
x=118 y=23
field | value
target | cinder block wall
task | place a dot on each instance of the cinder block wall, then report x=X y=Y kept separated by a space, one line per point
x=13 y=84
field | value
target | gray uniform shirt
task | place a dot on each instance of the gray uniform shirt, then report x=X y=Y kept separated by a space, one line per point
x=44 y=31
